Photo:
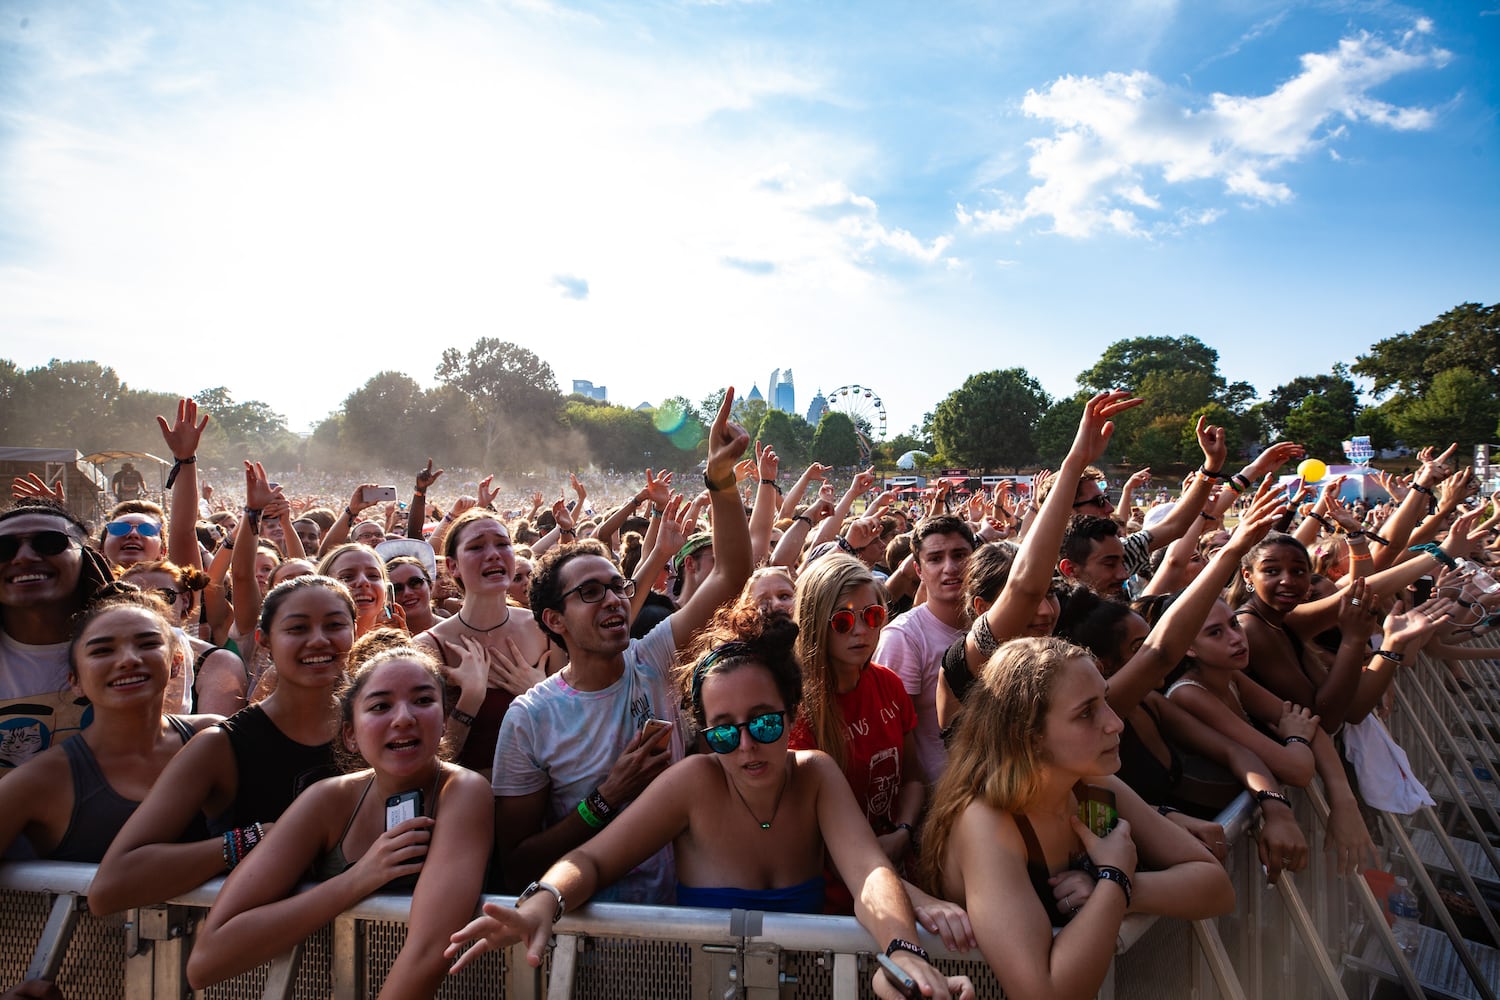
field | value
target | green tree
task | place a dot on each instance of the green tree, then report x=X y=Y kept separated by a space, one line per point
x=1461 y=405
x=1320 y=425
x=1336 y=388
x=515 y=398
x=684 y=433
x=381 y=419
x=790 y=436
x=987 y=423
x=834 y=442
x=1375 y=422
x=1126 y=364
x=1466 y=336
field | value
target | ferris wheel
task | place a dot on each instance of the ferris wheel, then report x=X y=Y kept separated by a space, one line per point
x=862 y=405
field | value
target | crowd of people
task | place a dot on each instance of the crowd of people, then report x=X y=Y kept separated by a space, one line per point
x=974 y=716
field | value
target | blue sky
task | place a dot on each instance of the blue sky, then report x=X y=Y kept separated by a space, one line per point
x=286 y=198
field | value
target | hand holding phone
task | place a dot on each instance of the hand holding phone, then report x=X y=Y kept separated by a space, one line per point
x=1096 y=808
x=899 y=978
x=400 y=808
x=652 y=730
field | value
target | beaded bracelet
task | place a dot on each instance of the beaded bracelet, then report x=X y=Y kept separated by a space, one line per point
x=804 y=517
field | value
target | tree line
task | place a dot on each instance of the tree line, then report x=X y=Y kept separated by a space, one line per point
x=497 y=406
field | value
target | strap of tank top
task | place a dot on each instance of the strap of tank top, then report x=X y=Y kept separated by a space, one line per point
x=1034 y=855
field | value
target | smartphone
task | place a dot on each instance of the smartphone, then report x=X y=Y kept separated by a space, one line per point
x=652 y=729
x=390 y=600
x=377 y=494
x=1096 y=808
x=1421 y=591
x=897 y=977
x=400 y=808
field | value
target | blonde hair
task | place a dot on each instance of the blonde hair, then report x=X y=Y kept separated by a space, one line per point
x=819 y=589
x=997 y=754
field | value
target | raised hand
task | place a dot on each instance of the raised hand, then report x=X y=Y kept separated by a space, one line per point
x=727 y=441
x=1096 y=426
x=487 y=493
x=33 y=487
x=658 y=491
x=426 y=477
x=1212 y=442
x=183 y=434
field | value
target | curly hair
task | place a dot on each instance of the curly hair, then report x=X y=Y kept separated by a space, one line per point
x=736 y=636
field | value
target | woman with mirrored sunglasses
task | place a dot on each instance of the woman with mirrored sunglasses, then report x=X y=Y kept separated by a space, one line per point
x=134 y=532
x=854 y=710
x=748 y=822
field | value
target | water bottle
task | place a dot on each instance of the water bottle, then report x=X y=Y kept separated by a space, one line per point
x=1406 y=915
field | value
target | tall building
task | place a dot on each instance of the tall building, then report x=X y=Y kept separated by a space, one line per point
x=817 y=408
x=583 y=387
x=754 y=393
x=784 y=393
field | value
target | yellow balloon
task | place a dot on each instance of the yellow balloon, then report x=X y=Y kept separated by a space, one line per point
x=1311 y=470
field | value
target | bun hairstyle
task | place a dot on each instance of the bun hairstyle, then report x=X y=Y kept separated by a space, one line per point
x=737 y=636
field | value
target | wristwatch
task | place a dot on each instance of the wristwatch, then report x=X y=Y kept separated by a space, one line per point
x=536 y=887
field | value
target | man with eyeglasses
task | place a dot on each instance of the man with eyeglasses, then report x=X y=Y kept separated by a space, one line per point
x=46 y=574
x=581 y=745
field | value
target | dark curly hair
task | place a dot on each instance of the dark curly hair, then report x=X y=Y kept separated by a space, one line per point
x=736 y=636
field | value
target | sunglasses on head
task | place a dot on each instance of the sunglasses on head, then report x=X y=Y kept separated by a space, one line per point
x=843 y=619
x=765 y=728
x=43 y=543
x=593 y=591
x=146 y=529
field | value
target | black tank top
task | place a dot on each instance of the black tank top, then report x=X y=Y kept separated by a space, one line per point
x=273 y=769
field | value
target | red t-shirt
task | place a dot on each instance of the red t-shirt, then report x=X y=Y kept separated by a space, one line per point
x=877 y=714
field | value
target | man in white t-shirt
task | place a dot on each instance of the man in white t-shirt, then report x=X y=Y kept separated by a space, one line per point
x=45 y=576
x=572 y=751
x=913 y=644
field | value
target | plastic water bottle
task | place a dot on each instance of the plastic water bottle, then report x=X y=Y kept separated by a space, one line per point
x=1407 y=915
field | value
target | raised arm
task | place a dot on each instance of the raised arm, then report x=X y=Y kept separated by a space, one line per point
x=182 y=437
x=1185 y=511
x=767 y=503
x=862 y=483
x=416 y=511
x=727 y=441
x=1031 y=576
x=792 y=497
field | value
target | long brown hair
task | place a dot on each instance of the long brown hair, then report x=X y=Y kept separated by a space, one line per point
x=997 y=755
x=819 y=589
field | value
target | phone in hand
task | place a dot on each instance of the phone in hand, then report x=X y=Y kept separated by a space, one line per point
x=390 y=601
x=899 y=978
x=377 y=494
x=402 y=807
x=1096 y=808
x=652 y=730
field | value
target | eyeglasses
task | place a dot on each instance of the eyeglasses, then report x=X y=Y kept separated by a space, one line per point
x=843 y=619
x=146 y=529
x=1101 y=501
x=43 y=543
x=416 y=583
x=765 y=728
x=593 y=591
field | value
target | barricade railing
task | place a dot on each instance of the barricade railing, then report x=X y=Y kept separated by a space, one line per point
x=1301 y=936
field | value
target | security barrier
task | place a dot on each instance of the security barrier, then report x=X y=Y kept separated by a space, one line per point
x=1313 y=934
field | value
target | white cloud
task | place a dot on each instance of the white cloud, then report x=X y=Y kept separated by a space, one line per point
x=1122 y=140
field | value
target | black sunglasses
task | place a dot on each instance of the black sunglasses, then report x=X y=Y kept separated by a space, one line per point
x=417 y=583
x=593 y=591
x=1099 y=501
x=43 y=543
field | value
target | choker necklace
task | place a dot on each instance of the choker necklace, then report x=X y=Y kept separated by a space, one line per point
x=484 y=631
x=774 y=809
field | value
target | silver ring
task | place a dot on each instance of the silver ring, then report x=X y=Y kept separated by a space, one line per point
x=1072 y=908
x=1354 y=602
x=1286 y=861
